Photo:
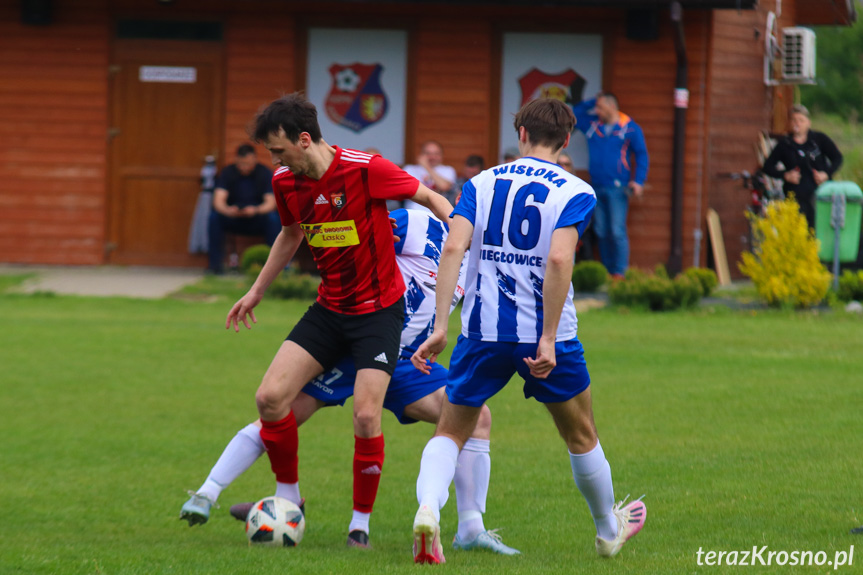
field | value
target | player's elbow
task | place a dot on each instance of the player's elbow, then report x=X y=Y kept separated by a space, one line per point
x=559 y=259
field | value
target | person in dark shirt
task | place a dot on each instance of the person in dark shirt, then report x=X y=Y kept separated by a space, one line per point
x=243 y=203
x=804 y=159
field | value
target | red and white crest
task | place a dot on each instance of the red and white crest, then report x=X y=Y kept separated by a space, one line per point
x=538 y=84
x=356 y=99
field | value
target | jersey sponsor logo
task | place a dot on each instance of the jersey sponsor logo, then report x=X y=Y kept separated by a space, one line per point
x=382 y=357
x=321 y=200
x=356 y=99
x=331 y=234
x=538 y=84
x=373 y=470
x=510 y=258
x=337 y=199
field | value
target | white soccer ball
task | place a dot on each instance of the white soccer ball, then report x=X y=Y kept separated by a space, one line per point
x=275 y=521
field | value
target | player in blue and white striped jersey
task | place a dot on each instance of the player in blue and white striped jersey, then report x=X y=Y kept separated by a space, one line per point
x=411 y=396
x=521 y=222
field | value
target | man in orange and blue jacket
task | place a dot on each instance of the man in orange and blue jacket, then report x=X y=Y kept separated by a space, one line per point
x=614 y=141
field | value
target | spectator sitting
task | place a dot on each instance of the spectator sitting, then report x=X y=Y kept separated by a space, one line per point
x=473 y=165
x=431 y=172
x=243 y=203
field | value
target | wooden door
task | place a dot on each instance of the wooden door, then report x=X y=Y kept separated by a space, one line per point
x=166 y=116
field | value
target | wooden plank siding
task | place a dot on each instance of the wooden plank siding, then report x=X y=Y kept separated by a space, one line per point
x=643 y=75
x=452 y=87
x=55 y=89
x=736 y=76
x=53 y=146
x=260 y=66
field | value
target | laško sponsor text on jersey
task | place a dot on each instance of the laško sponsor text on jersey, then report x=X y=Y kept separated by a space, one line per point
x=546 y=174
x=331 y=234
x=510 y=258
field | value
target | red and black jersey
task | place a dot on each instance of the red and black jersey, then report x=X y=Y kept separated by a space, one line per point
x=346 y=223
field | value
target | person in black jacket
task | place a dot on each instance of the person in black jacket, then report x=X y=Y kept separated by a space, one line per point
x=243 y=203
x=804 y=159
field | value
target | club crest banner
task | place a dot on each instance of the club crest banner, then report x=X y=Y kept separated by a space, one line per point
x=356 y=99
x=538 y=84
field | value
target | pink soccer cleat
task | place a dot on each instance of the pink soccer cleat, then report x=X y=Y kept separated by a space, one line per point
x=630 y=520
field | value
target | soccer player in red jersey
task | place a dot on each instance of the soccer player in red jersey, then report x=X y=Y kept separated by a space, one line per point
x=335 y=199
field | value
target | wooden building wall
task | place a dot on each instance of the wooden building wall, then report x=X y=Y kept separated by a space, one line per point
x=736 y=77
x=54 y=108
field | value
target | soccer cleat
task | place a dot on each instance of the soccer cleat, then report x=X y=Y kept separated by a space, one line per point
x=197 y=509
x=485 y=540
x=427 y=546
x=240 y=511
x=630 y=520
x=359 y=538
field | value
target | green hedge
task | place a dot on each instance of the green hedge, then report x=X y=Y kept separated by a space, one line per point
x=851 y=286
x=587 y=277
x=656 y=292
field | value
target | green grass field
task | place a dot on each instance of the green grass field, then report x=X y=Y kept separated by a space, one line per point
x=742 y=429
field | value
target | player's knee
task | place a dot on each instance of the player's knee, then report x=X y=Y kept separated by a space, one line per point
x=367 y=422
x=483 y=424
x=269 y=403
x=581 y=437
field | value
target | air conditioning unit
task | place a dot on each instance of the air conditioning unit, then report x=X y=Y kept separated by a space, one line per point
x=798 y=56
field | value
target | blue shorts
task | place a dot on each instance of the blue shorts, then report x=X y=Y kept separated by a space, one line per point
x=407 y=385
x=479 y=369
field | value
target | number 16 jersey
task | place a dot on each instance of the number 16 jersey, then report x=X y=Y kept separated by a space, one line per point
x=514 y=209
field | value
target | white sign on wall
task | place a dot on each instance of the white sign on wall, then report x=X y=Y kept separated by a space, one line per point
x=545 y=65
x=357 y=80
x=168 y=74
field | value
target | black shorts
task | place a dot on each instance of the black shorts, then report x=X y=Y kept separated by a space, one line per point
x=371 y=339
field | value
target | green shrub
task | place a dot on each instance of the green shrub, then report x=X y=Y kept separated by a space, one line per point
x=851 y=286
x=293 y=285
x=254 y=259
x=655 y=292
x=707 y=278
x=784 y=265
x=587 y=277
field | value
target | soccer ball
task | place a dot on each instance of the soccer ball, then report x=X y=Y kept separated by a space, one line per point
x=275 y=521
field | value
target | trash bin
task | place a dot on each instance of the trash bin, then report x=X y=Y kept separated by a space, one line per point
x=849 y=234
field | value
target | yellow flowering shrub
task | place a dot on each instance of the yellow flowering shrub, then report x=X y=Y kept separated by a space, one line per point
x=785 y=267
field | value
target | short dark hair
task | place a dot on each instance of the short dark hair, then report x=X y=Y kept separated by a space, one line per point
x=611 y=98
x=475 y=161
x=292 y=113
x=548 y=122
x=244 y=150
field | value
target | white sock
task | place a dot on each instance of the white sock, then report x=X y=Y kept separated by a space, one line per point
x=471 y=487
x=240 y=453
x=289 y=491
x=360 y=521
x=437 y=469
x=592 y=475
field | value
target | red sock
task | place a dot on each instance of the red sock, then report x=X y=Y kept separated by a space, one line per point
x=280 y=439
x=368 y=463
